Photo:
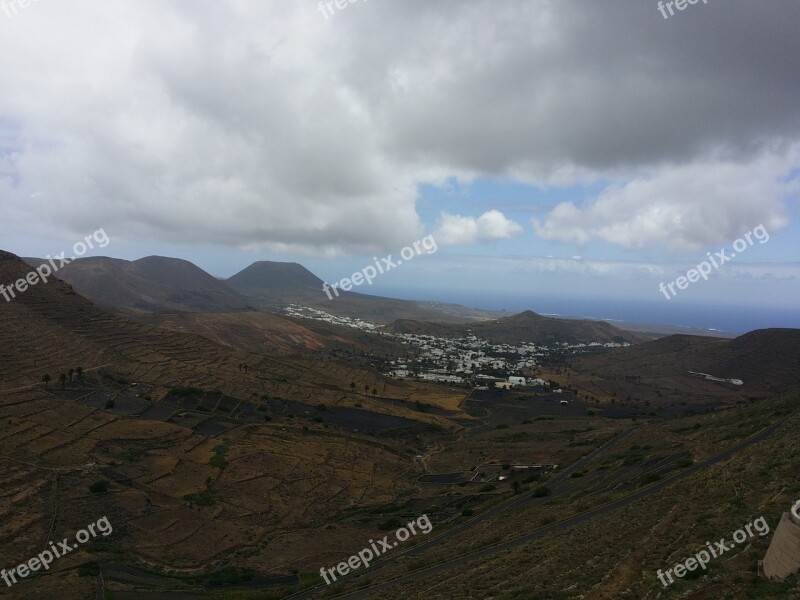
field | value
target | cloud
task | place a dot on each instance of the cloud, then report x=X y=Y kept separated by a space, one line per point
x=265 y=125
x=491 y=226
x=685 y=207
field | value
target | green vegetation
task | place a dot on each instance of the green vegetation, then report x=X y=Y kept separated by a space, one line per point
x=391 y=523
x=99 y=487
x=90 y=569
x=219 y=460
x=184 y=392
x=650 y=478
x=204 y=498
x=229 y=576
x=130 y=456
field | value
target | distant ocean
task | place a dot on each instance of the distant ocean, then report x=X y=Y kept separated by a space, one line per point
x=733 y=319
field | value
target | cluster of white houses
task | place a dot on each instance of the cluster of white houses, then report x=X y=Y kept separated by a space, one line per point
x=305 y=312
x=459 y=360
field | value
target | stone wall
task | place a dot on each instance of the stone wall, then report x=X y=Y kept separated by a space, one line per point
x=783 y=557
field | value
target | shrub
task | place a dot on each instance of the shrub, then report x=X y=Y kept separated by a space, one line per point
x=391 y=523
x=541 y=492
x=205 y=498
x=184 y=391
x=650 y=478
x=218 y=459
x=131 y=456
x=89 y=570
x=99 y=487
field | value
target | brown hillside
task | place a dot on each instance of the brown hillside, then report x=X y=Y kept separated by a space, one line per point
x=50 y=328
x=766 y=360
x=150 y=284
x=524 y=327
x=270 y=333
x=273 y=285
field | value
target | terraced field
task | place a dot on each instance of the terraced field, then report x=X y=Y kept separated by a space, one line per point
x=230 y=474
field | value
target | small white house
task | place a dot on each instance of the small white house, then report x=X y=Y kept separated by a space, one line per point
x=516 y=380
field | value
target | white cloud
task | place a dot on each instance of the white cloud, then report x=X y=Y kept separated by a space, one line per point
x=264 y=125
x=685 y=207
x=491 y=226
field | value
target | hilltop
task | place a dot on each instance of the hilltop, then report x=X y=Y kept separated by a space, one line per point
x=525 y=327
x=157 y=284
x=275 y=279
x=150 y=284
x=273 y=285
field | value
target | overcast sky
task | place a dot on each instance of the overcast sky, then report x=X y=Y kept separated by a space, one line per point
x=567 y=147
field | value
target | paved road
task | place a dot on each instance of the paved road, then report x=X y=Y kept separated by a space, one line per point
x=567 y=523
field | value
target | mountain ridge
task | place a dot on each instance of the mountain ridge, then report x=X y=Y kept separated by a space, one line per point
x=524 y=327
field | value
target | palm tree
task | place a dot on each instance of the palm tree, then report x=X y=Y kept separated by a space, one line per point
x=63 y=379
x=79 y=371
x=70 y=373
x=46 y=380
